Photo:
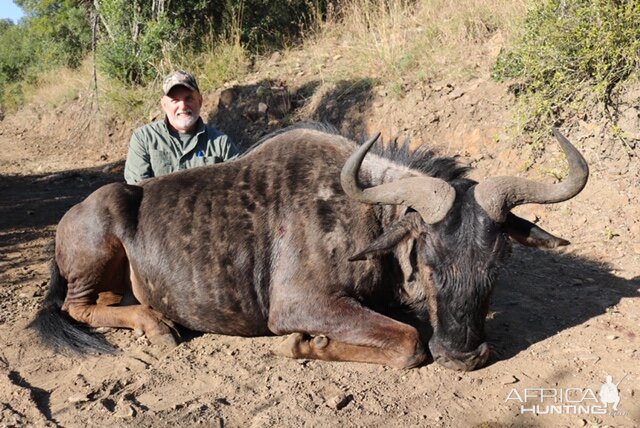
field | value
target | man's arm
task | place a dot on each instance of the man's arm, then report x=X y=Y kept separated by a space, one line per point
x=138 y=164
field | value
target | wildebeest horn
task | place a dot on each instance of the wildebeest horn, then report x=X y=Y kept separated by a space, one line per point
x=431 y=197
x=498 y=195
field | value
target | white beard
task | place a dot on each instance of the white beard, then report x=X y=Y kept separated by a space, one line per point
x=186 y=122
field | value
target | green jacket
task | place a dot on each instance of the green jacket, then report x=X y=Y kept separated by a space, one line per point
x=155 y=151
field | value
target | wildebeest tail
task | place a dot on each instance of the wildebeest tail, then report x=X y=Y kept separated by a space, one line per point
x=59 y=330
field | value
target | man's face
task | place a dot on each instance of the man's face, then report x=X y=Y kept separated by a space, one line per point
x=182 y=107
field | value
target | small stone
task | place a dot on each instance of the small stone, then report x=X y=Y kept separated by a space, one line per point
x=340 y=401
x=582 y=423
x=262 y=108
x=612 y=337
x=125 y=411
x=275 y=57
x=337 y=57
x=508 y=380
x=227 y=96
x=455 y=94
x=433 y=118
x=223 y=401
x=78 y=398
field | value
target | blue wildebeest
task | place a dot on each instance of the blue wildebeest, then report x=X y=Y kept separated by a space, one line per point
x=302 y=236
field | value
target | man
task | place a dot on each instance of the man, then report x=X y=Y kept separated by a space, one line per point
x=181 y=140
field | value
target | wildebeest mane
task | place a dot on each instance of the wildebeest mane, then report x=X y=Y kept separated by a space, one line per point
x=422 y=159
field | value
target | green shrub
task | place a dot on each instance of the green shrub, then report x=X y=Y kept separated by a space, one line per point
x=570 y=53
x=134 y=41
x=55 y=33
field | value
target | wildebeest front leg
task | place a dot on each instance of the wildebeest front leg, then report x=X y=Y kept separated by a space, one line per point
x=348 y=331
x=136 y=317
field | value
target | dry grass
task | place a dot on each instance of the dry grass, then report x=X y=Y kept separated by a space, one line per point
x=59 y=86
x=399 y=40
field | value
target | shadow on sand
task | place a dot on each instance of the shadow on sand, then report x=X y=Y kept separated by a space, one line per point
x=542 y=293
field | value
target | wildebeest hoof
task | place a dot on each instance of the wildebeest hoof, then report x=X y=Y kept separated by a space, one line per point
x=290 y=346
x=163 y=340
x=321 y=341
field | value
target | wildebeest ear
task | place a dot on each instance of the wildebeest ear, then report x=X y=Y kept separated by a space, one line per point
x=531 y=235
x=393 y=235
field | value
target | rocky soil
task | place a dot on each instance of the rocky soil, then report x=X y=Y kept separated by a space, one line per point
x=558 y=320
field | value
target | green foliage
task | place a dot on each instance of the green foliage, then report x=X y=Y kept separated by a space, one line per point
x=14 y=52
x=54 y=33
x=570 y=52
x=139 y=41
x=61 y=31
x=133 y=41
x=265 y=23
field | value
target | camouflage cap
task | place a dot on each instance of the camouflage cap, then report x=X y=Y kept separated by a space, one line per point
x=179 y=77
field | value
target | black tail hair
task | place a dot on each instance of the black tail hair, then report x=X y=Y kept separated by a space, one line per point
x=57 y=329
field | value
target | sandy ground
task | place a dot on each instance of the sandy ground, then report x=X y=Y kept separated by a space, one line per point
x=560 y=321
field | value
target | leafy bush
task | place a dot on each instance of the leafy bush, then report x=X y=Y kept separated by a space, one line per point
x=133 y=41
x=571 y=52
x=55 y=33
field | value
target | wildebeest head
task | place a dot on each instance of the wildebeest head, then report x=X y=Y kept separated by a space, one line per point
x=460 y=236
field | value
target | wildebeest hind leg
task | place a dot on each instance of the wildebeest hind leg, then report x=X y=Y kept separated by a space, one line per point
x=137 y=317
x=347 y=331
